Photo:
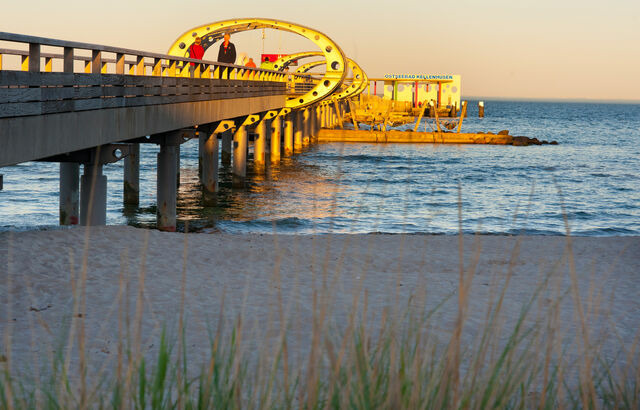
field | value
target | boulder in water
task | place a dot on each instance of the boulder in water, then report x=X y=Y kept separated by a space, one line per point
x=520 y=141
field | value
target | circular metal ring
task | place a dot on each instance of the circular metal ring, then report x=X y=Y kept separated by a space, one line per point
x=335 y=58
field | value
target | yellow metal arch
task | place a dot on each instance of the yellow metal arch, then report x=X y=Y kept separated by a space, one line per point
x=283 y=62
x=357 y=86
x=335 y=58
x=308 y=66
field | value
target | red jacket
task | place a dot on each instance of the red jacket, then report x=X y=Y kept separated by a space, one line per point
x=196 y=51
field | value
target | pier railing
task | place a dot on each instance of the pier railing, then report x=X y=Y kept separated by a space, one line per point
x=53 y=76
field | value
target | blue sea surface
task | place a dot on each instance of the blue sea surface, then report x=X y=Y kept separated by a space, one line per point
x=588 y=185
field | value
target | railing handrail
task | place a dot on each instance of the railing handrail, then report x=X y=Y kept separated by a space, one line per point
x=42 y=41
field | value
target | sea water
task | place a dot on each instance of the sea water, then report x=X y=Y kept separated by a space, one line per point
x=587 y=185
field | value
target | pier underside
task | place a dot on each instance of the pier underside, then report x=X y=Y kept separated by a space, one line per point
x=40 y=136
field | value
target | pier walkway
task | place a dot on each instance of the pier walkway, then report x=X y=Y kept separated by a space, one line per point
x=45 y=113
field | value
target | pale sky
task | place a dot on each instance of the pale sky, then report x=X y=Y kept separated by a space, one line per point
x=514 y=49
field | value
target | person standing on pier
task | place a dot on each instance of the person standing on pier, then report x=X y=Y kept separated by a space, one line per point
x=227 y=53
x=196 y=51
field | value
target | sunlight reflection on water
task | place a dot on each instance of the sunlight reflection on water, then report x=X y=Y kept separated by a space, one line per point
x=399 y=188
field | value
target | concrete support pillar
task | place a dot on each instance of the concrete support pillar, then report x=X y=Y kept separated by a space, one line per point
x=166 y=186
x=315 y=121
x=298 y=129
x=260 y=146
x=202 y=137
x=69 y=193
x=306 y=127
x=225 y=155
x=288 y=133
x=276 y=136
x=240 y=146
x=93 y=196
x=131 y=191
x=209 y=157
x=177 y=166
x=321 y=114
x=327 y=116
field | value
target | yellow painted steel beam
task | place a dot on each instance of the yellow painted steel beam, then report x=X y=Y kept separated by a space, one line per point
x=268 y=115
x=284 y=112
x=249 y=119
x=308 y=66
x=336 y=61
x=224 y=126
x=357 y=86
x=283 y=62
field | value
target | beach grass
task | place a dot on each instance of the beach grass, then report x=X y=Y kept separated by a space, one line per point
x=397 y=361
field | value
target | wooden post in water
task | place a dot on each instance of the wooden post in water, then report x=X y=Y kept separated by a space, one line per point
x=480 y=109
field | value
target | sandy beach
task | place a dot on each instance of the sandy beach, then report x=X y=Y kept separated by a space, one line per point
x=268 y=279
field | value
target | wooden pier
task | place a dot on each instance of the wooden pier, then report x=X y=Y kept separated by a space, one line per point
x=88 y=105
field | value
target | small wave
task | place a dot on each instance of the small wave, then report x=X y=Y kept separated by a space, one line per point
x=475 y=178
x=611 y=231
